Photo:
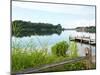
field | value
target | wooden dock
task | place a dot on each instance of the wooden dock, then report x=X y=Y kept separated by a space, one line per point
x=82 y=39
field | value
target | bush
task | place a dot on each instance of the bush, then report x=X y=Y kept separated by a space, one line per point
x=60 y=48
x=73 y=49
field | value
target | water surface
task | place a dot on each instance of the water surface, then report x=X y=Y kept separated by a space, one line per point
x=47 y=41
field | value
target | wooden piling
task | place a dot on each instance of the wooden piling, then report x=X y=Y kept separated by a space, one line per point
x=88 y=54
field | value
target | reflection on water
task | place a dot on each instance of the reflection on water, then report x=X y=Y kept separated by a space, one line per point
x=47 y=39
x=81 y=49
x=39 y=32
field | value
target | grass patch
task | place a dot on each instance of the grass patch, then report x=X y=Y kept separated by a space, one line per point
x=32 y=58
x=22 y=59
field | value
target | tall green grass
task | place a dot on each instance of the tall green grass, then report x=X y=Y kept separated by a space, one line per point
x=22 y=59
x=73 y=50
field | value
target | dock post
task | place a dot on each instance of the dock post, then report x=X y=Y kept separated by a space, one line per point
x=89 y=40
x=88 y=54
x=81 y=40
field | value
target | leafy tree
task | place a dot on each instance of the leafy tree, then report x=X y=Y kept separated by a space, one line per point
x=60 y=48
x=90 y=29
x=16 y=29
x=29 y=28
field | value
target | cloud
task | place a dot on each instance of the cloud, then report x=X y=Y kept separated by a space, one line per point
x=78 y=23
x=67 y=15
x=55 y=8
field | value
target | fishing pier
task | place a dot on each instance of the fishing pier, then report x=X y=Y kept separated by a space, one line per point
x=82 y=39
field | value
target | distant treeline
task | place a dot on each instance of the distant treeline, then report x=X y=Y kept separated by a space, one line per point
x=91 y=29
x=21 y=28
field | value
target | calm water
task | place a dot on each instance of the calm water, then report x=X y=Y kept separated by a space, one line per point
x=46 y=41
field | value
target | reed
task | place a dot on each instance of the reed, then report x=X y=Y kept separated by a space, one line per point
x=31 y=57
x=22 y=59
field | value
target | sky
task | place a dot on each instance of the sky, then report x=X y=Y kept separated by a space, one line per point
x=69 y=16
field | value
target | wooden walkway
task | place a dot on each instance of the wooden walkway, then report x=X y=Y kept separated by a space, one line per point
x=37 y=70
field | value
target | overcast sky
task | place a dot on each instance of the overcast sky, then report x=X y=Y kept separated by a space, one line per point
x=69 y=16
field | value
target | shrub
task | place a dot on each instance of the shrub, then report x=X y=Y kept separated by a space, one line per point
x=60 y=48
x=73 y=49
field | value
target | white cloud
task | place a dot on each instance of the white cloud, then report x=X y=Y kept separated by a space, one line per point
x=55 y=8
x=63 y=9
x=79 y=23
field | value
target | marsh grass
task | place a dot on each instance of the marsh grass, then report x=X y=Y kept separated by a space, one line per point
x=22 y=59
x=73 y=50
x=32 y=57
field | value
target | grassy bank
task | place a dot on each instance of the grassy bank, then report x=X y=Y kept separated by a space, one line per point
x=32 y=59
x=23 y=59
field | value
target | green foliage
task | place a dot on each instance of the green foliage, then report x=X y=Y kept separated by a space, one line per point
x=28 y=28
x=91 y=29
x=75 y=66
x=73 y=49
x=25 y=58
x=22 y=59
x=60 y=48
x=16 y=29
x=29 y=25
x=67 y=67
x=32 y=59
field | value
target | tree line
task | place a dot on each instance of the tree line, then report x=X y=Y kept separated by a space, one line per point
x=27 y=27
x=91 y=29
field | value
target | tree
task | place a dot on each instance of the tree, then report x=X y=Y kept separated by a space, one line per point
x=29 y=28
x=16 y=29
x=60 y=48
